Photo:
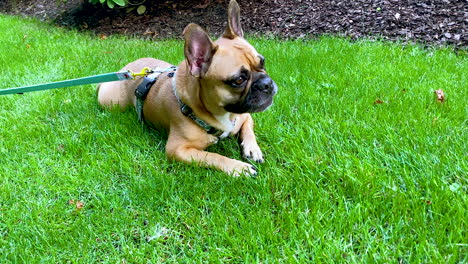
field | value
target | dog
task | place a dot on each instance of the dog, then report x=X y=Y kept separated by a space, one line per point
x=209 y=96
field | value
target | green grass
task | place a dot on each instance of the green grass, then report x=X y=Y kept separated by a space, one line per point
x=345 y=179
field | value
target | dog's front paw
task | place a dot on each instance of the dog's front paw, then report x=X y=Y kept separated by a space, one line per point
x=252 y=152
x=242 y=169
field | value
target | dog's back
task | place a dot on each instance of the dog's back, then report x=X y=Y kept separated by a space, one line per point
x=122 y=93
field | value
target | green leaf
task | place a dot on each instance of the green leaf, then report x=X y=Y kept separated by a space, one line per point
x=110 y=4
x=102 y=1
x=120 y=2
x=141 y=9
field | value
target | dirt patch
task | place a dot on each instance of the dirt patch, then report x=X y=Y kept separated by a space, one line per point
x=440 y=22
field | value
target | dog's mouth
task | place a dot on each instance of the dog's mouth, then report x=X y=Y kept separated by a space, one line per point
x=257 y=100
x=263 y=107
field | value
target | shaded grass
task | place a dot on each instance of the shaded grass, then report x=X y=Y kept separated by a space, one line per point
x=346 y=179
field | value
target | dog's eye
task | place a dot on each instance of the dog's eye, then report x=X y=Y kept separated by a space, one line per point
x=262 y=62
x=239 y=80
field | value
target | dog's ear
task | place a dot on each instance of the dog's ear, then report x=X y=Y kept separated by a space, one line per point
x=198 y=49
x=233 y=28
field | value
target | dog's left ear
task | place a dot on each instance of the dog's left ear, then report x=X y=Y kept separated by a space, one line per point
x=233 y=28
x=198 y=49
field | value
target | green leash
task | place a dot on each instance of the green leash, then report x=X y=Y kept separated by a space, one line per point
x=107 y=77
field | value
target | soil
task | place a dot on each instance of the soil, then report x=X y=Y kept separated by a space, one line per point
x=439 y=22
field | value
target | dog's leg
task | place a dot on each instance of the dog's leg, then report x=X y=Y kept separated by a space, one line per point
x=248 y=141
x=189 y=154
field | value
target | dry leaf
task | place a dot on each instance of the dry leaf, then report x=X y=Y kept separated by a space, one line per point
x=79 y=205
x=203 y=5
x=61 y=148
x=378 y=101
x=102 y=36
x=28 y=46
x=149 y=32
x=440 y=95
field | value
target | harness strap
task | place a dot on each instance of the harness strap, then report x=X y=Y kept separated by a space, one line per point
x=141 y=92
x=188 y=111
x=143 y=89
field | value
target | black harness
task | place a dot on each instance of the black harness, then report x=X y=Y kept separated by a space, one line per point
x=143 y=89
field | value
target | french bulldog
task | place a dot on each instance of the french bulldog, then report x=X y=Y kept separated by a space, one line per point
x=209 y=96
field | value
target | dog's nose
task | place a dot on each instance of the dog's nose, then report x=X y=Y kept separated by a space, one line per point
x=264 y=84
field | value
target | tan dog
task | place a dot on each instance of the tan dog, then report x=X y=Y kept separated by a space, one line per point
x=210 y=96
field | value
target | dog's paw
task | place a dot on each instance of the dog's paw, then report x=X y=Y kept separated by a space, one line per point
x=252 y=152
x=243 y=169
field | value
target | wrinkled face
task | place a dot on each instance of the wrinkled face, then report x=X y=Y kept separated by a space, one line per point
x=237 y=81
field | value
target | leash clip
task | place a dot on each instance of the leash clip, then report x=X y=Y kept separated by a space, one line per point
x=143 y=72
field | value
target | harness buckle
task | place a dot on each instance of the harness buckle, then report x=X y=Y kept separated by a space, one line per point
x=143 y=89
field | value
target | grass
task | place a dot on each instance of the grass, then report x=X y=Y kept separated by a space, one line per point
x=362 y=164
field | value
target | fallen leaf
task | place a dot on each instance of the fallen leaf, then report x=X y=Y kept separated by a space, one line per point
x=61 y=148
x=378 y=101
x=149 y=32
x=28 y=46
x=141 y=9
x=440 y=95
x=102 y=36
x=79 y=205
x=427 y=201
x=203 y=5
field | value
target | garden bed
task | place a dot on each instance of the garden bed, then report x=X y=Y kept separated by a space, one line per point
x=428 y=22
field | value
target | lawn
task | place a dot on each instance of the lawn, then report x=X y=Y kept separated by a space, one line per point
x=363 y=164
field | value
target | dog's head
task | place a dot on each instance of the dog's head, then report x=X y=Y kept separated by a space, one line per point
x=231 y=72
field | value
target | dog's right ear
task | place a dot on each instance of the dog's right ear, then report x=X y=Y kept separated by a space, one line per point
x=234 y=28
x=198 y=49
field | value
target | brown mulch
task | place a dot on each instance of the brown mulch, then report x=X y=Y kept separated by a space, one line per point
x=439 y=22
